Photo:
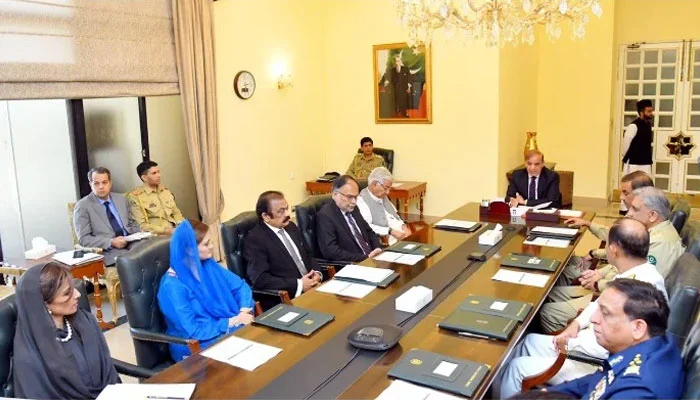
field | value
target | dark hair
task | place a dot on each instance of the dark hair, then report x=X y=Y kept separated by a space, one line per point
x=341 y=181
x=99 y=170
x=638 y=179
x=264 y=200
x=642 y=104
x=52 y=278
x=365 y=140
x=631 y=236
x=541 y=394
x=644 y=301
x=200 y=230
x=143 y=168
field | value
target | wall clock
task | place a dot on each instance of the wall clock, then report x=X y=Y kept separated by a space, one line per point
x=244 y=85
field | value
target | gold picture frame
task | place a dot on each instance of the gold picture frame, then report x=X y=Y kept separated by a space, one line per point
x=399 y=68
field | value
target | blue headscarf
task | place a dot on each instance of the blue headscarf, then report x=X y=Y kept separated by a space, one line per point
x=211 y=289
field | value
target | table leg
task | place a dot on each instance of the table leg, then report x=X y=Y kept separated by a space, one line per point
x=420 y=206
x=98 y=304
x=405 y=206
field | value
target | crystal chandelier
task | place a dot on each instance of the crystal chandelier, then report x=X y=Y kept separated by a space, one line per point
x=494 y=21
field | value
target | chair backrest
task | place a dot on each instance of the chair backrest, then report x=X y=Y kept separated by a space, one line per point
x=71 y=208
x=691 y=362
x=306 y=219
x=388 y=156
x=683 y=288
x=140 y=271
x=233 y=234
x=679 y=214
x=8 y=322
x=690 y=234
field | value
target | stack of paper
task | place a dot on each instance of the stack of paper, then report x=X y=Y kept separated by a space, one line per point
x=403 y=390
x=552 y=231
x=66 y=257
x=241 y=353
x=522 y=278
x=570 y=213
x=367 y=274
x=122 y=391
x=455 y=223
x=400 y=258
x=541 y=241
x=344 y=288
x=138 y=236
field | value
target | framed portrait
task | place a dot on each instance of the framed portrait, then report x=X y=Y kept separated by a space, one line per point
x=402 y=84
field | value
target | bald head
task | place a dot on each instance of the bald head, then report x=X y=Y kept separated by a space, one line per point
x=630 y=237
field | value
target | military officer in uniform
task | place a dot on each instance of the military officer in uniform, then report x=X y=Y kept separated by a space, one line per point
x=644 y=361
x=152 y=204
x=647 y=205
x=363 y=163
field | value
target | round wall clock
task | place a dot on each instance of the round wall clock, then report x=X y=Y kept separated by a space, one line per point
x=244 y=85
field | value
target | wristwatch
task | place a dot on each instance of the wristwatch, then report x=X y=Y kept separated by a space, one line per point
x=590 y=253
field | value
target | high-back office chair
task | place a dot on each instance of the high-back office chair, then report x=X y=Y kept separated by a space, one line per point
x=690 y=234
x=307 y=218
x=233 y=234
x=679 y=214
x=387 y=155
x=691 y=362
x=8 y=322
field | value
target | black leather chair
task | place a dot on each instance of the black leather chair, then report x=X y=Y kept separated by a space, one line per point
x=387 y=154
x=691 y=362
x=679 y=214
x=690 y=234
x=8 y=322
x=233 y=234
x=683 y=288
x=140 y=272
x=307 y=220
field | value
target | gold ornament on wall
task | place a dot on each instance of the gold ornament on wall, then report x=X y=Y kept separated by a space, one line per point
x=530 y=142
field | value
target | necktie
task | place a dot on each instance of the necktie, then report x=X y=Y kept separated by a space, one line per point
x=358 y=236
x=290 y=249
x=532 y=192
x=113 y=221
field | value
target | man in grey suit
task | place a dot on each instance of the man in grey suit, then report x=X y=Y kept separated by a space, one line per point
x=101 y=219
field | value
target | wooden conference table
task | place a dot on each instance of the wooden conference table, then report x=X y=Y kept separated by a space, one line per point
x=405 y=191
x=219 y=380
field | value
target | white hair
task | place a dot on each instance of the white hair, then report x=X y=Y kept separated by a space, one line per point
x=654 y=199
x=379 y=174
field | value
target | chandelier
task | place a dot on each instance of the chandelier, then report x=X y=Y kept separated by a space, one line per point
x=493 y=21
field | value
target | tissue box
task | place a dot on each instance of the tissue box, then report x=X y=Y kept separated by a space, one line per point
x=34 y=254
x=414 y=299
x=490 y=238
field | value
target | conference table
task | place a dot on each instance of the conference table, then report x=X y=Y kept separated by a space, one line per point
x=324 y=365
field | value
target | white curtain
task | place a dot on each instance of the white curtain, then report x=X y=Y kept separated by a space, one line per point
x=86 y=48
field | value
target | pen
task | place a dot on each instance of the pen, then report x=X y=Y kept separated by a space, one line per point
x=165 y=398
x=242 y=350
x=474 y=335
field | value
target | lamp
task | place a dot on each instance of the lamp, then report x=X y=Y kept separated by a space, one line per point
x=284 y=81
x=494 y=21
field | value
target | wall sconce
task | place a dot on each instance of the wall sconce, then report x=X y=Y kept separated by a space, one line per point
x=284 y=81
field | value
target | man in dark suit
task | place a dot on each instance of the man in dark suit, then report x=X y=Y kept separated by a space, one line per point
x=343 y=235
x=275 y=252
x=535 y=184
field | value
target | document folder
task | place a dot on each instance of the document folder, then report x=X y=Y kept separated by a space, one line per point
x=530 y=262
x=470 y=322
x=416 y=248
x=293 y=319
x=511 y=309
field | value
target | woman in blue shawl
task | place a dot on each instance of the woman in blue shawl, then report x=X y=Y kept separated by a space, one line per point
x=200 y=299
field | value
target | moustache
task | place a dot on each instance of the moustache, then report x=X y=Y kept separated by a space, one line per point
x=286 y=219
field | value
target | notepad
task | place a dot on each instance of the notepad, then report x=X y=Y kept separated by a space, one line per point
x=522 y=278
x=403 y=390
x=138 y=236
x=359 y=272
x=400 y=258
x=241 y=353
x=344 y=288
x=454 y=223
x=120 y=391
x=552 y=231
x=546 y=242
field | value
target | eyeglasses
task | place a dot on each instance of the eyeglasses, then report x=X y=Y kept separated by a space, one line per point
x=387 y=188
x=347 y=196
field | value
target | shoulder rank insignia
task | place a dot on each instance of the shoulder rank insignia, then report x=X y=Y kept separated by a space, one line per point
x=616 y=360
x=651 y=259
x=633 y=368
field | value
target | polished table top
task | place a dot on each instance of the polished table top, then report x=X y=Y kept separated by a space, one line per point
x=218 y=380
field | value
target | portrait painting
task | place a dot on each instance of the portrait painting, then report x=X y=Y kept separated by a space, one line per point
x=402 y=84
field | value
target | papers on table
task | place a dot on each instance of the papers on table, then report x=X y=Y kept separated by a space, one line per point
x=455 y=223
x=400 y=258
x=403 y=390
x=519 y=211
x=180 y=391
x=369 y=274
x=570 y=213
x=546 y=242
x=522 y=278
x=138 y=236
x=344 y=288
x=241 y=353
x=66 y=257
x=548 y=230
x=547 y=211
x=542 y=206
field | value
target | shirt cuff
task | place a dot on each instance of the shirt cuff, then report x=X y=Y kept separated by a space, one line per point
x=299 y=287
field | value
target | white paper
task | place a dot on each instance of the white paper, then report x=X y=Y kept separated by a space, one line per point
x=407 y=391
x=396 y=184
x=370 y=274
x=455 y=223
x=445 y=368
x=543 y=205
x=241 y=353
x=288 y=316
x=519 y=211
x=570 y=213
x=548 y=211
x=138 y=236
x=399 y=258
x=66 y=257
x=349 y=289
x=498 y=200
x=555 y=231
x=122 y=391
x=522 y=278
x=410 y=246
x=498 y=228
x=499 y=305
x=540 y=241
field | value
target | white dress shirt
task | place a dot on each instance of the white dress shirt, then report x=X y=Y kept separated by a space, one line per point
x=394 y=223
x=300 y=286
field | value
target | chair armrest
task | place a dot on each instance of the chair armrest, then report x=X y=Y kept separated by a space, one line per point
x=148 y=336
x=585 y=358
x=129 y=369
x=543 y=377
x=283 y=295
x=338 y=264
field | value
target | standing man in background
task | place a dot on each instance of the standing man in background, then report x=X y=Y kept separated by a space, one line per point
x=152 y=204
x=636 y=143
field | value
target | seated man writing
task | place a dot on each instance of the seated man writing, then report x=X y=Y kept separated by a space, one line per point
x=535 y=184
x=377 y=209
x=363 y=163
x=628 y=245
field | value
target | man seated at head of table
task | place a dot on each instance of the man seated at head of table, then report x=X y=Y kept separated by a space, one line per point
x=377 y=209
x=644 y=362
x=101 y=219
x=535 y=184
x=363 y=163
x=647 y=205
x=152 y=204
x=628 y=246
x=343 y=235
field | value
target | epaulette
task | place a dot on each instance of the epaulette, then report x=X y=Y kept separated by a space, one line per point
x=135 y=192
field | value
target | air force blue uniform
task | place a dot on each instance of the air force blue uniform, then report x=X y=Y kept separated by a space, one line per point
x=650 y=370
